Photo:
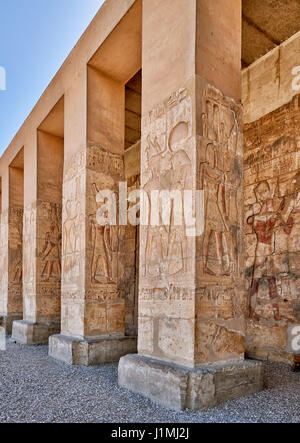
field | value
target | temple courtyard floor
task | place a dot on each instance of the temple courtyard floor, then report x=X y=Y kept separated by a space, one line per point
x=35 y=388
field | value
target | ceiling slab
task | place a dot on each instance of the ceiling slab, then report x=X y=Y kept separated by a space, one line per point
x=54 y=122
x=18 y=161
x=267 y=24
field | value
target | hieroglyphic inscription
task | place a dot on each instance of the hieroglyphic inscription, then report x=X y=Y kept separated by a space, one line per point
x=272 y=209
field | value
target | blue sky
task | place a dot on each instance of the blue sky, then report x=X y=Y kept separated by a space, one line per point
x=35 y=38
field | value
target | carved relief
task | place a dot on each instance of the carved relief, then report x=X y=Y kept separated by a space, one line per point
x=272 y=222
x=15 y=260
x=220 y=177
x=102 y=238
x=174 y=266
x=4 y=261
x=16 y=245
x=42 y=260
x=166 y=294
x=215 y=247
x=73 y=226
x=264 y=223
x=104 y=161
x=11 y=261
x=167 y=153
x=70 y=238
x=51 y=249
x=29 y=239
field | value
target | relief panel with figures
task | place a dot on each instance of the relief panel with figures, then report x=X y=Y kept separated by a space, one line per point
x=272 y=224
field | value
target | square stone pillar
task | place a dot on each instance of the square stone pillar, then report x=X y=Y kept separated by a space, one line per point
x=93 y=259
x=11 y=303
x=42 y=242
x=192 y=302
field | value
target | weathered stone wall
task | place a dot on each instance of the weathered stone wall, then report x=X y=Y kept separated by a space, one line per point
x=271 y=116
x=3 y=262
x=29 y=262
x=73 y=245
x=11 y=261
x=220 y=295
x=49 y=226
x=11 y=244
x=15 y=229
x=272 y=205
x=105 y=272
x=192 y=300
x=167 y=284
x=267 y=83
x=98 y=262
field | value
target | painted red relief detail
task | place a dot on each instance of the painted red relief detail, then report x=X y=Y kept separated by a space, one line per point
x=272 y=217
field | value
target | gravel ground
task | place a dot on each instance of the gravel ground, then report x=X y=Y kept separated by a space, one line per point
x=34 y=388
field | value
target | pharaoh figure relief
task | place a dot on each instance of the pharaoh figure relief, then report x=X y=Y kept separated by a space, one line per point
x=51 y=251
x=220 y=177
x=102 y=240
x=215 y=246
x=72 y=231
x=14 y=233
x=168 y=167
x=264 y=220
x=274 y=221
x=16 y=247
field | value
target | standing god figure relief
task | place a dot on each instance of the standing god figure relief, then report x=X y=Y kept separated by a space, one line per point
x=264 y=223
x=220 y=178
x=101 y=237
x=51 y=252
x=215 y=247
x=18 y=255
x=170 y=170
x=72 y=234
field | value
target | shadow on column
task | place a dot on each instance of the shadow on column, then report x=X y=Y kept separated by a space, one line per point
x=42 y=238
x=11 y=246
x=99 y=303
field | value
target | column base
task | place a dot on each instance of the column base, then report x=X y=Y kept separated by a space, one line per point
x=6 y=322
x=33 y=334
x=180 y=388
x=274 y=355
x=90 y=352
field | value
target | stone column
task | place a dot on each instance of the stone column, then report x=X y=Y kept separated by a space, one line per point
x=93 y=278
x=42 y=243
x=192 y=302
x=11 y=304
